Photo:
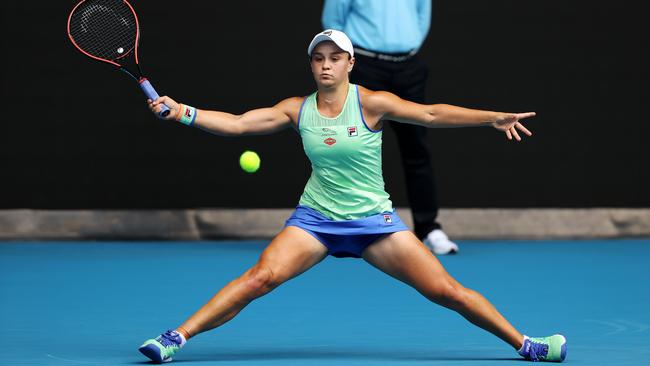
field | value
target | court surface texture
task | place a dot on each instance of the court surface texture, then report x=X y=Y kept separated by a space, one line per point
x=94 y=303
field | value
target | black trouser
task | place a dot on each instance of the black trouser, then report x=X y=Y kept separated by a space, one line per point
x=407 y=80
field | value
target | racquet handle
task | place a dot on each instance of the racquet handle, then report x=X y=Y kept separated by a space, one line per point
x=150 y=92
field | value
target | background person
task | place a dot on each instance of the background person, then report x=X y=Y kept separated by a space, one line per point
x=387 y=35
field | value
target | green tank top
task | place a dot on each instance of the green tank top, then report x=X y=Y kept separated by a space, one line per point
x=346 y=182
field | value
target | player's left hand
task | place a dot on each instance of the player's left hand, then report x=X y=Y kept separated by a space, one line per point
x=509 y=123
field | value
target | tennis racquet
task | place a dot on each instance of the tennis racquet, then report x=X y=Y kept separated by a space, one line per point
x=108 y=31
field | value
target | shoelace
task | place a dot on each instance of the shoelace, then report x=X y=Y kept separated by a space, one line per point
x=169 y=338
x=536 y=350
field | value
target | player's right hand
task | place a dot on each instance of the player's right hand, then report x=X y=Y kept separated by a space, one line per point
x=156 y=106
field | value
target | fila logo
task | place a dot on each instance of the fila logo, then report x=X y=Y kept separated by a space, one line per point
x=352 y=131
x=329 y=141
x=388 y=219
x=188 y=112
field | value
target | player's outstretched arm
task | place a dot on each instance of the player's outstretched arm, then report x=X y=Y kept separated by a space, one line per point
x=254 y=122
x=390 y=107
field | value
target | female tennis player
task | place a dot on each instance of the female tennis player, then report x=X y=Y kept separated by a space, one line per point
x=344 y=210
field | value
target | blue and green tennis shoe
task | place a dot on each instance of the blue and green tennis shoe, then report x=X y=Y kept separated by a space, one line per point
x=550 y=349
x=162 y=348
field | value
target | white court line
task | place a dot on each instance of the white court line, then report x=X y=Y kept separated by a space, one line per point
x=617 y=327
x=70 y=360
x=641 y=327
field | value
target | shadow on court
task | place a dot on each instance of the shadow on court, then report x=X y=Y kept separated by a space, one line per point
x=336 y=354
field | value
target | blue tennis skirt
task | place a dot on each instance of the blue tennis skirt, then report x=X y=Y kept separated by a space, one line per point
x=345 y=238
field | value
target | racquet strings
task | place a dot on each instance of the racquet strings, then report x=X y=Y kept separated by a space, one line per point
x=106 y=29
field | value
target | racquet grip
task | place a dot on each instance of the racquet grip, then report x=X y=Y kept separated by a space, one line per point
x=150 y=92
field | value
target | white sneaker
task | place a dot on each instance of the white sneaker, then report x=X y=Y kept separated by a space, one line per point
x=438 y=242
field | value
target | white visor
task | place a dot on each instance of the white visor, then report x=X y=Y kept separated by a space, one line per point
x=338 y=37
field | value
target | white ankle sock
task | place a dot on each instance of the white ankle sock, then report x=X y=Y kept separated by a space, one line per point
x=523 y=344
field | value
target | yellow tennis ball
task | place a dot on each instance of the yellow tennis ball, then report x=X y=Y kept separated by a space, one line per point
x=249 y=161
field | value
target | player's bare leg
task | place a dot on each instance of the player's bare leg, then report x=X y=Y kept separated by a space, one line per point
x=292 y=252
x=404 y=257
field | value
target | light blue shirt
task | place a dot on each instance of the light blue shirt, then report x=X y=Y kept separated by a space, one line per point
x=385 y=26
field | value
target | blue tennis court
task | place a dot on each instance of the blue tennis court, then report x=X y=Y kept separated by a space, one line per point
x=87 y=303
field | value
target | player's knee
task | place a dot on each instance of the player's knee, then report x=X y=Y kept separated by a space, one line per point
x=260 y=280
x=449 y=296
